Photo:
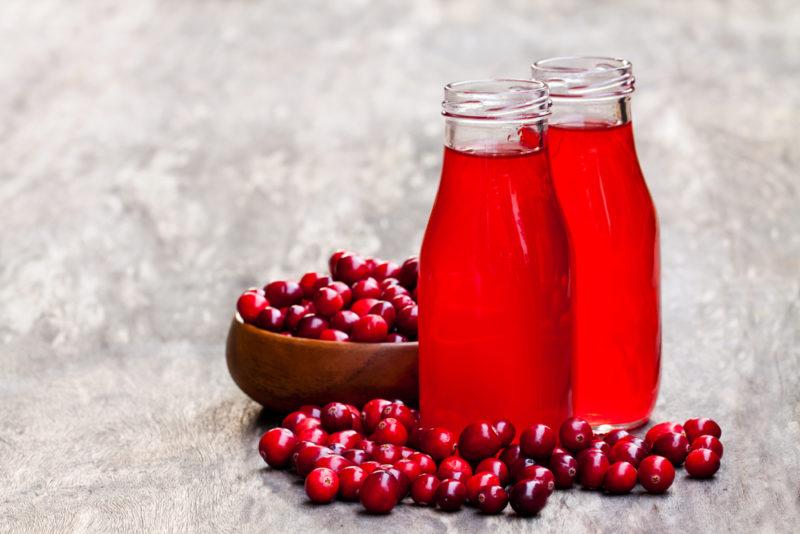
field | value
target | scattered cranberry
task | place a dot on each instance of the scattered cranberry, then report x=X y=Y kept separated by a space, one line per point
x=334 y=462
x=511 y=455
x=661 y=428
x=423 y=489
x=702 y=463
x=307 y=457
x=390 y=430
x=538 y=472
x=311 y=326
x=576 y=434
x=402 y=413
x=705 y=442
x=656 y=474
x=600 y=445
x=370 y=466
x=379 y=492
x=620 y=478
x=351 y=268
x=291 y=420
x=496 y=467
x=370 y=329
x=327 y=301
x=407 y=320
x=477 y=482
x=386 y=453
x=478 y=441
x=425 y=462
x=506 y=431
x=537 y=441
x=592 y=468
x=492 y=499
x=528 y=497
x=615 y=435
x=357 y=456
x=701 y=426
x=372 y=413
x=351 y=479
x=403 y=482
x=276 y=447
x=305 y=424
x=314 y=435
x=250 y=304
x=311 y=410
x=672 y=446
x=322 y=484
x=454 y=467
x=336 y=416
x=347 y=438
x=630 y=450
x=385 y=269
x=368 y=446
x=409 y=468
x=282 y=293
x=362 y=307
x=409 y=273
x=450 y=494
x=519 y=467
x=564 y=468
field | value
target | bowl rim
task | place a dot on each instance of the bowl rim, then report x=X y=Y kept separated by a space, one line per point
x=315 y=342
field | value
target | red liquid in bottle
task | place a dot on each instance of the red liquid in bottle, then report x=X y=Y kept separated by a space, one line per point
x=494 y=320
x=613 y=233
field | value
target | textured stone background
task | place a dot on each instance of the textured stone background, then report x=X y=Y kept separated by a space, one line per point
x=158 y=156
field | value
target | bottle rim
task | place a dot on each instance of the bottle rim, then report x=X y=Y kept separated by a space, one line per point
x=501 y=99
x=585 y=77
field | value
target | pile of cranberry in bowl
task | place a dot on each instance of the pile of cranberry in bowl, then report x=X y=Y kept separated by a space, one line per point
x=362 y=299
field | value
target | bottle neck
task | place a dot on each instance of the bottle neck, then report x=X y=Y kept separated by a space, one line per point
x=487 y=137
x=588 y=113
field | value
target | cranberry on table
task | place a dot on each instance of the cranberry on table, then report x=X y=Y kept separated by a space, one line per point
x=450 y=495
x=600 y=445
x=455 y=467
x=511 y=455
x=704 y=442
x=361 y=307
x=564 y=468
x=311 y=410
x=620 y=478
x=496 y=467
x=304 y=424
x=271 y=319
x=372 y=413
x=385 y=269
x=330 y=334
x=368 y=446
x=334 y=462
x=350 y=268
x=336 y=416
x=402 y=413
x=347 y=438
x=592 y=468
x=702 y=463
x=477 y=482
x=327 y=301
x=492 y=500
x=528 y=497
x=390 y=430
x=478 y=441
x=406 y=452
x=537 y=441
x=250 y=304
x=672 y=446
x=282 y=293
x=505 y=431
x=538 y=472
x=662 y=428
x=425 y=462
x=518 y=469
x=369 y=466
x=276 y=447
x=386 y=453
x=384 y=310
x=629 y=450
x=615 y=435
x=322 y=485
x=409 y=468
x=409 y=273
x=437 y=442
x=404 y=484
x=291 y=420
x=576 y=434
x=379 y=492
x=394 y=337
x=314 y=435
x=701 y=426
x=343 y=320
x=407 y=321
x=311 y=326
x=307 y=457
x=367 y=288
x=357 y=456
x=423 y=489
x=351 y=479
x=656 y=474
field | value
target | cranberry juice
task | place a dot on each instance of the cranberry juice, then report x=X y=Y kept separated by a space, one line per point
x=494 y=320
x=613 y=233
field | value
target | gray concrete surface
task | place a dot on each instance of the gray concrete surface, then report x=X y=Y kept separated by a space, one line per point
x=158 y=156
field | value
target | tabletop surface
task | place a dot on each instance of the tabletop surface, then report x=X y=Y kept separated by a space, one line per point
x=158 y=157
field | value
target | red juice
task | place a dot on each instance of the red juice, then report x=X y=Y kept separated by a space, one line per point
x=614 y=239
x=494 y=320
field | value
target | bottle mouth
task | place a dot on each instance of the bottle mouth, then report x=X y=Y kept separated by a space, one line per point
x=505 y=100
x=585 y=77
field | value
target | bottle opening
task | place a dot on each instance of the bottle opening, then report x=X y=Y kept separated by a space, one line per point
x=497 y=100
x=585 y=77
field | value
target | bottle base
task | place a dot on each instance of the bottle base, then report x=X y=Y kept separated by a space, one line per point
x=605 y=428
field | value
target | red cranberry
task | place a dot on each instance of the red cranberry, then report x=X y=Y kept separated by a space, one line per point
x=344 y=320
x=337 y=448
x=307 y=458
x=351 y=479
x=394 y=337
x=386 y=283
x=661 y=428
x=705 y=442
x=615 y=435
x=426 y=463
x=369 y=329
x=496 y=467
x=672 y=446
x=385 y=310
x=407 y=320
x=630 y=450
x=656 y=474
x=620 y=478
x=406 y=452
x=370 y=466
x=371 y=264
x=344 y=291
x=276 y=447
x=305 y=424
x=334 y=462
x=423 y=489
x=336 y=416
x=314 y=435
x=334 y=259
x=307 y=284
x=327 y=301
x=351 y=268
x=291 y=420
x=385 y=269
x=478 y=441
x=330 y=334
x=702 y=463
x=249 y=305
x=538 y=442
x=393 y=291
x=437 y=442
x=390 y=430
x=366 y=289
x=492 y=499
x=402 y=413
x=321 y=281
x=386 y=453
x=505 y=431
x=372 y=413
x=601 y=445
x=455 y=468
x=592 y=468
x=518 y=469
x=311 y=410
x=271 y=319
x=293 y=316
x=559 y=450
x=409 y=468
x=322 y=484
x=311 y=326
x=450 y=494
x=701 y=426
x=528 y=497
x=282 y=293
x=511 y=455
x=401 y=301
x=564 y=468
x=368 y=446
x=357 y=456
x=347 y=438
x=541 y=473
x=409 y=272
x=379 y=492
x=576 y=434
x=404 y=484
x=477 y=482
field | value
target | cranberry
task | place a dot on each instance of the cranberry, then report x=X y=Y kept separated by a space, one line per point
x=347 y=438
x=478 y=441
x=368 y=446
x=305 y=424
x=369 y=329
x=357 y=456
x=404 y=484
x=564 y=468
x=327 y=301
x=379 y=492
x=409 y=468
x=322 y=484
x=455 y=468
x=701 y=426
x=620 y=478
x=528 y=497
x=505 y=430
x=351 y=268
x=249 y=305
x=330 y=334
x=271 y=319
x=367 y=288
x=492 y=500
x=450 y=494
x=385 y=269
x=390 y=430
x=293 y=316
x=291 y=420
x=538 y=442
x=334 y=462
x=496 y=467
x=393 y=291
x=406 y=452
x=311 y=326
x=371 y=264
x=282 y=293
x=307 y=284
x=371 y=413
x=705 y=442
x=321 y=281
x=541 y=473
x=386 y=283
x=394 y=337
x=702 y=463
x=409 y=273
x=423 y=489
x=311 y=410
x=601 y=445
x=344 y=291
x=661 y=428
x=386 y=311
x=656 y=474
x=401 y=301
x=426 y=463
x=672 y=446
x=477 y=482
x=615 y=435
x=370 y=466
x=351 y=479
x=402 y=413
x=576 y=434
x=307 y=458
x=511 y=455
x=337 y=448
x=407 y=320
x=344 y=320
x=630 y=450
x=334 y=259
x=592 y=468
x=336 y=416
x=314 y=435
x=276 y=447
x=519 y=467
x=386 y=453
x=438 y=442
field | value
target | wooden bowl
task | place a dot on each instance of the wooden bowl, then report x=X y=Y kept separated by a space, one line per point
x=282 y=373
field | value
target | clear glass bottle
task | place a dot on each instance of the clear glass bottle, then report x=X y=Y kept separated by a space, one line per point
x=614 y=238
